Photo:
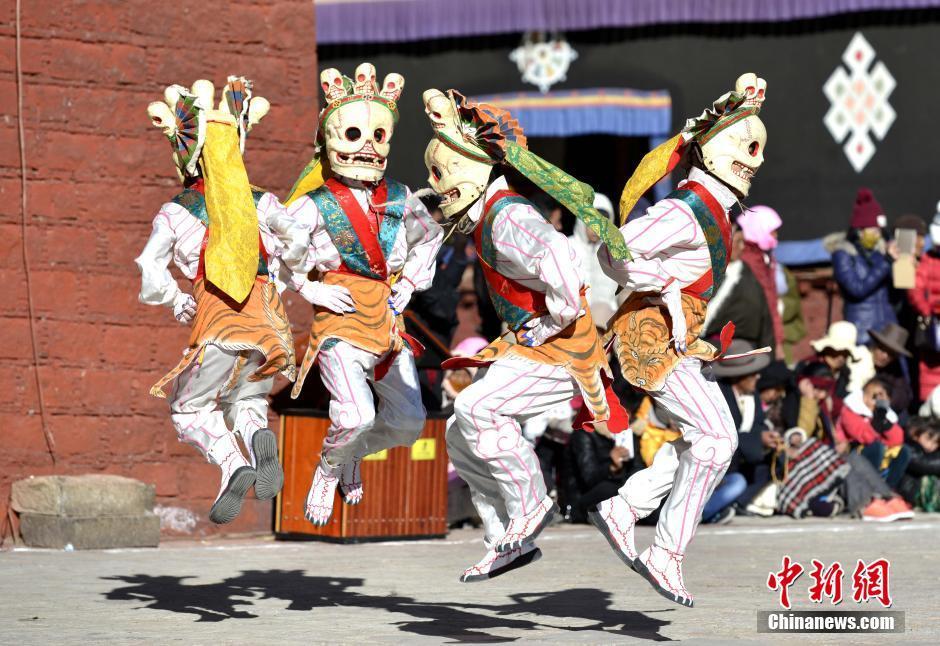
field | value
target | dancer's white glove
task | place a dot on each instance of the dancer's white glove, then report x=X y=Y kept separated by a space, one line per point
x=539 y=330
x=402 y=291
x=184 y=308
x=335 y=298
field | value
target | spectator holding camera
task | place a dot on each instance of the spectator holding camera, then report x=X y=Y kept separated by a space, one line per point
x=868 y=423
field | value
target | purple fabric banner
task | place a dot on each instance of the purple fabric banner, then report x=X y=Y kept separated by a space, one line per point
x=376 y=21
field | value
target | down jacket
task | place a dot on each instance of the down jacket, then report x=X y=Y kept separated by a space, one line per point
x=864 y=278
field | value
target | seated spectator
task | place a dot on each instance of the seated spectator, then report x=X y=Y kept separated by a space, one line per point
x=824 y=483
x=456 y=380
x=773 y=386
x=651 y=429
x=920 y=485
x=868 y=423
x=868 y=496
x=810 y=406
x=738 y=379
x=600 y=463
x=812 y=473
x=887 y=346
x=839 y=350
x=720 y=508
x=550 y=432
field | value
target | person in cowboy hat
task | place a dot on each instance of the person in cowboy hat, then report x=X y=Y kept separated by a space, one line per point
x=738 y=379
x=838 y=349
x=887 y=346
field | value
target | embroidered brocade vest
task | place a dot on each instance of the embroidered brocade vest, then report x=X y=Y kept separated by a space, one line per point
x=514 y=302
x=713 y=219
x=362 y=249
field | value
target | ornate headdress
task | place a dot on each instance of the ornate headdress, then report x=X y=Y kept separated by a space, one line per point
x=340 y=90
x=356 y=139
x=209 y=143
x=479 y=131
x=489 y=135
x=182 y=117
x=730 y=109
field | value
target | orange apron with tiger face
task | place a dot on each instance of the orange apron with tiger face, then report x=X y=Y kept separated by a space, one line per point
x=372 y=327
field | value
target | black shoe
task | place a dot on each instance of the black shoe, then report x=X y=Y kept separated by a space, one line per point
x=229 y=502
x=270 y=474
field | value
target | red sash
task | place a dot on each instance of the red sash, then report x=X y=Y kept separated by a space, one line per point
x=365 y=226
x=513 y=291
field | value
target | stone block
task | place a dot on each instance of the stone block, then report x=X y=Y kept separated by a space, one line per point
x=85 y=496
x=103 y=532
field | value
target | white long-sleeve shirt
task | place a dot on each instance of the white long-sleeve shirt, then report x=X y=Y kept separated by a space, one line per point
x=177 y=235
x=413 y=252
x=530 y=251
x=667 y=243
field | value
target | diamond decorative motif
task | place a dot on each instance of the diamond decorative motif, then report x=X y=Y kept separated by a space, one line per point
x=859 y=106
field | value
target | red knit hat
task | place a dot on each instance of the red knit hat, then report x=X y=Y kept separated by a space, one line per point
x=866 y=212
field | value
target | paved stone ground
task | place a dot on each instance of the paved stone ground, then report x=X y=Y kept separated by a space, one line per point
x=257 y=591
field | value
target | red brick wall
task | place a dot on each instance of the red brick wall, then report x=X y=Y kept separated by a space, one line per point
x=97 y=172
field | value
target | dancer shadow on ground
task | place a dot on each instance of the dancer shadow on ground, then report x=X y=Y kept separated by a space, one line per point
x=458 y=622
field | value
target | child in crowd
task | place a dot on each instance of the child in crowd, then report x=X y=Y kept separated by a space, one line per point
x=920 y=485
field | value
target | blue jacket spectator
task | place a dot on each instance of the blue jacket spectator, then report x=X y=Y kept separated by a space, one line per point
x=863 y=270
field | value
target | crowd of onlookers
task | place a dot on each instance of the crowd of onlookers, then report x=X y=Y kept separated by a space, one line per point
x=851 y=426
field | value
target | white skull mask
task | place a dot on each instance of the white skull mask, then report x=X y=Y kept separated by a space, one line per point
x=357 y=140
x=358 y=121
x=736 y=153
x=458 y=179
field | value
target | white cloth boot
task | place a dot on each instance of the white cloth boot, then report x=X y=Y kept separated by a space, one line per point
x=663 y=569
x=496 y=563
x=640 y=495
x=616 y=520
x=322 y=493
x=525 y=529
x=350 y=482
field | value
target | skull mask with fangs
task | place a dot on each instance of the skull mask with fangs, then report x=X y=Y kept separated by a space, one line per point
x=357 y=124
